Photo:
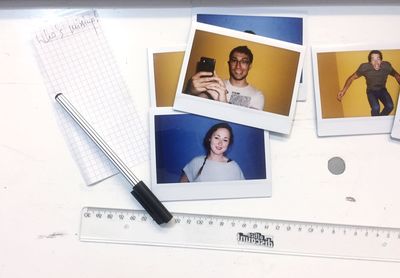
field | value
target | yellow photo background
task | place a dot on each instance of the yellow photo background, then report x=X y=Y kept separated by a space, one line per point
x=167 y=67
x=333 y=70
x=273 y=70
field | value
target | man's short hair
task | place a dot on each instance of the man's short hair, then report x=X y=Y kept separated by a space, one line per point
x=374 y=52
x=242 y=49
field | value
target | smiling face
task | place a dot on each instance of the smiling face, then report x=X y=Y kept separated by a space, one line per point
x=239 y=65
x=219 y=141
x=376 y=61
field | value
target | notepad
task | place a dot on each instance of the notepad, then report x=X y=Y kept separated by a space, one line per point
x=76 y=60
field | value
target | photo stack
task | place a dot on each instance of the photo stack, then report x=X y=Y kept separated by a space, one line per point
x=215 y=99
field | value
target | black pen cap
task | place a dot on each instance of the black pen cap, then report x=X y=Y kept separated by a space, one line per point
x=150 y=203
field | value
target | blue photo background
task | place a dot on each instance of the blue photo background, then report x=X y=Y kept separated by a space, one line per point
x=288 y=29
x=179 y=138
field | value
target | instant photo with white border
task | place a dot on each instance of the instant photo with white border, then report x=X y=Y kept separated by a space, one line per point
x=281 y=123
x=396 y=123
x=167 y=187
x=332 y=126
x=152 y=78
x=283 y=32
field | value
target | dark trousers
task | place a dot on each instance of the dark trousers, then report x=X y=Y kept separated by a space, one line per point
x=381 y=95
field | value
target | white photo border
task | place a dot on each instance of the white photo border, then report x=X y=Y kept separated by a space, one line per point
x=234 y=113
x=255 y=188
x=350 y=125
x=266 y=12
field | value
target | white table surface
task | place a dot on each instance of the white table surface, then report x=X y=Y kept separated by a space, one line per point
x=42 y=192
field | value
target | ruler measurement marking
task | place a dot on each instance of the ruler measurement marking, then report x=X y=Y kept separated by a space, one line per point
x=221 y=232
x=276 y=224
x=312 y=227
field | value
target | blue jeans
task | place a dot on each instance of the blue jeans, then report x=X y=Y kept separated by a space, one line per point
x=384 y=97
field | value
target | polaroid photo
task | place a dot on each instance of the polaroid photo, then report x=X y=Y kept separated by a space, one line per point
x=356 y=88
x=396 y=123
x=279 y=25
x=164 y=68
x=240 y=77
x=195 y=157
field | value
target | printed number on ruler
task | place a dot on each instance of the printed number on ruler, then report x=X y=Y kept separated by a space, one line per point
x=242 y=234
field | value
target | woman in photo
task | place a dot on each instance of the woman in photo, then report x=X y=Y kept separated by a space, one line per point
x=214 y=166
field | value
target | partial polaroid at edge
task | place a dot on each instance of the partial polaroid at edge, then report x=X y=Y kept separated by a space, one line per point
x=396 y=124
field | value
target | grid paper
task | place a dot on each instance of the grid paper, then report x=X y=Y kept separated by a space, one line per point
x=76 y=60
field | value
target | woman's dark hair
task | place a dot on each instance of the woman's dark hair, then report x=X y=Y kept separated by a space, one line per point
x=207 y=139
x=375 y=52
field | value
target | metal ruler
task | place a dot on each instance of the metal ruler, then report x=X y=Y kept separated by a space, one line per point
x=242 y=234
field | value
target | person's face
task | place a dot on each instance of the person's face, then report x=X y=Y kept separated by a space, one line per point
x=239 y=65
x=219 y=141
x=376 y=61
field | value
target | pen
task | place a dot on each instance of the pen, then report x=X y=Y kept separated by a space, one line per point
x=140 y=191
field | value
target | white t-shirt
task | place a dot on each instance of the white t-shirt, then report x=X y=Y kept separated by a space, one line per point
x=245 y=96
x=212 y=170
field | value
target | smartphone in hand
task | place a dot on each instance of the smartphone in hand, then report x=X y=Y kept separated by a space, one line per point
x=206 y=64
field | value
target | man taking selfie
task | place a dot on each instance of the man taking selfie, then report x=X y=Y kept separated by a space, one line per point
x=235 y=90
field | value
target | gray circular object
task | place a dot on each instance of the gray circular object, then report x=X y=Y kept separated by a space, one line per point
x=336 y=165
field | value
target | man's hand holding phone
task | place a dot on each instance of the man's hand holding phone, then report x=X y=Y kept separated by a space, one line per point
x=206 y=83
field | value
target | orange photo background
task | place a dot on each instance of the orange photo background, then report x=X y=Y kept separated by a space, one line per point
x=167 y=67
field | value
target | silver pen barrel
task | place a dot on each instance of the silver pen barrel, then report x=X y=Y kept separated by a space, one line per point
x=140 y=191
x=96 y=138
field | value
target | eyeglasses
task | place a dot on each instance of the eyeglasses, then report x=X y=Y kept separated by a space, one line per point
x=243 y=62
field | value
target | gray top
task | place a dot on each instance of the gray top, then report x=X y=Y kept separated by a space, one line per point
x=212 y=170
x=376 y=79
